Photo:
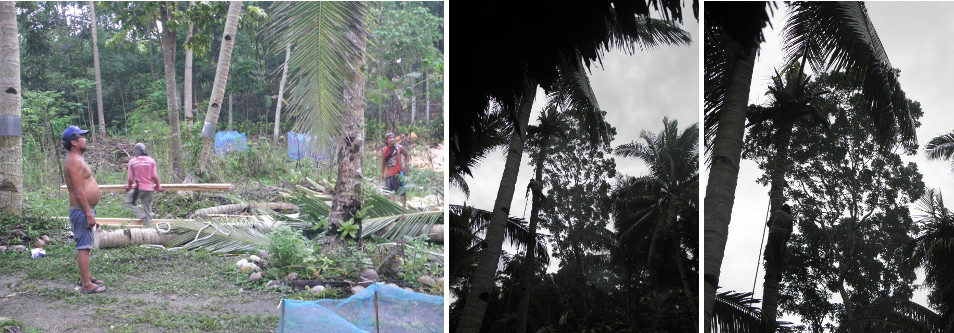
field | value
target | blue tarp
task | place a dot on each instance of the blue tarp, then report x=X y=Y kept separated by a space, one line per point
x=300 y=146
x=230 y=141
x=398 y=310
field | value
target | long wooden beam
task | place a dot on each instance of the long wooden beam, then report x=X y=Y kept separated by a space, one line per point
x=168 y=187
x=130 y=223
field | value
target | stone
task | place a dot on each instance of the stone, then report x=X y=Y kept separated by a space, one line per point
x=317 y=289
x=393 y=285
x=440 y=281
x=262 y=254
x=248 y=267
x=39 y=243
x=255 y=277
x=291 y=277
x=20 y=248
x=356 y=289
x=427 y=281
x=3 y=249
x=172 y=298
x=409 y=289
x=367 y=277
x=45 y=238
x=273 y=284
x=254 y=258
x=241 y=263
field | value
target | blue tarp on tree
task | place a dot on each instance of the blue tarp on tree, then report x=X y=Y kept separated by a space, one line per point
x=397 y=310
x=229 y=141
x=300 y=146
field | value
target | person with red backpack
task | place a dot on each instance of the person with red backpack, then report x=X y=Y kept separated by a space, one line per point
x=393 y=167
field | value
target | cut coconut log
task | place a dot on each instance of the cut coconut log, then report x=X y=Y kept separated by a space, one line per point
x=233 y=208
x=168 y=187
x=126 y=237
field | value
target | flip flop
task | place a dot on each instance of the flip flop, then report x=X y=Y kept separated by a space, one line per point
x=94 y=281
x=96 y=290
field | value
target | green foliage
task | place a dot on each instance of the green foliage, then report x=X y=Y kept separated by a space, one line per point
x=288 y=248
x=348 y=228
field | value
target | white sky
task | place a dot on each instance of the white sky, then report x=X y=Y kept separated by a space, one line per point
x=637 y=91
x=917 y=39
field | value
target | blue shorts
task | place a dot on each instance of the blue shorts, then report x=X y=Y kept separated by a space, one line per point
x=82 y=233
x=394 y=184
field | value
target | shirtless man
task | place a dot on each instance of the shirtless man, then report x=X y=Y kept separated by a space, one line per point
x=84 y=195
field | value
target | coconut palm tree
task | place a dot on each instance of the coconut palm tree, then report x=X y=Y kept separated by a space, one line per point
x=791 y=103
x=835 y=36
x=328 y=96
x=218 y=85
x=656 y=215
x=579 y=97
x=11 y=168
x=933 y=250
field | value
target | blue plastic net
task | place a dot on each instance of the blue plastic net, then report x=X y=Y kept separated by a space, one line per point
x=398 y=310
x=300 y=146
x=229 y=141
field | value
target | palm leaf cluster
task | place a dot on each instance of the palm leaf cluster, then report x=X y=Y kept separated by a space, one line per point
x=933 y=249
x=323 y=33
x=220 y=236
x=657 y=215
x=887 y=316
x=941 y=147
x=733 y=312
x=466 y=224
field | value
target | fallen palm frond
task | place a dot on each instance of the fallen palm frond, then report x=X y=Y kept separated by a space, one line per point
x=221 y=236
x=232 y=208
x=404 y=225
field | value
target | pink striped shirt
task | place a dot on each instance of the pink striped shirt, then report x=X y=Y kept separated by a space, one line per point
x=145 y=170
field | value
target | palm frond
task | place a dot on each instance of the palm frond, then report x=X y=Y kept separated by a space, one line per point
x=892 y=316
x=650 y=34
x=328 y=46
x=403 y=225
x=839 y=36
x=220 y=235
x=733 y=312
x=476 y=220
x=941 y=147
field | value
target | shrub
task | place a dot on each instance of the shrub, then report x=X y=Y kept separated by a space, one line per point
x=288 y=247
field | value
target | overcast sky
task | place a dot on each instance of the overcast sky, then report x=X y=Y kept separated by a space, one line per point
x=917 y=39
x=637 y=91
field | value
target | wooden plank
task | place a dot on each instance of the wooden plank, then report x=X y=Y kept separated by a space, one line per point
x=130 y=223
x=168 y=187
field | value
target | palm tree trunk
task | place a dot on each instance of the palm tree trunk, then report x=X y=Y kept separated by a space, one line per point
x=479 y=294
x=168 y=43
x=347 y=198
x=281 y=92
x=774 y=264
x=218 y=85
x=724 y=172
x=528 y=279
x=427 y=98
x=187 y=79
x=96 y=71
x=11 y=142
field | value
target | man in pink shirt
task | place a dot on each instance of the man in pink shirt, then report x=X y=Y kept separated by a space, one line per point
x=142 y=171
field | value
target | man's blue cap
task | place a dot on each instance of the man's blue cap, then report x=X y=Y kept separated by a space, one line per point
x=72 y=130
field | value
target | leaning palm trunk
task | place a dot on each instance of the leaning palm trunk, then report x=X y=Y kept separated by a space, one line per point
x=775 y=265
x=218 y=86
x=527 y=278
x=724 y=172
x=483 y=281
x=346 y=201
x=11 y=149
x=281 y=92
x=96 y=71
x=168 y=43
x=187 y=79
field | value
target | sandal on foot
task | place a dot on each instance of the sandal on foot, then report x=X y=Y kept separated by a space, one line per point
x=95 y=290
x=94 y=281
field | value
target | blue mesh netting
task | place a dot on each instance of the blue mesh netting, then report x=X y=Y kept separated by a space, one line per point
x=399 y=310
x=229 y=141
x=299 y=146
